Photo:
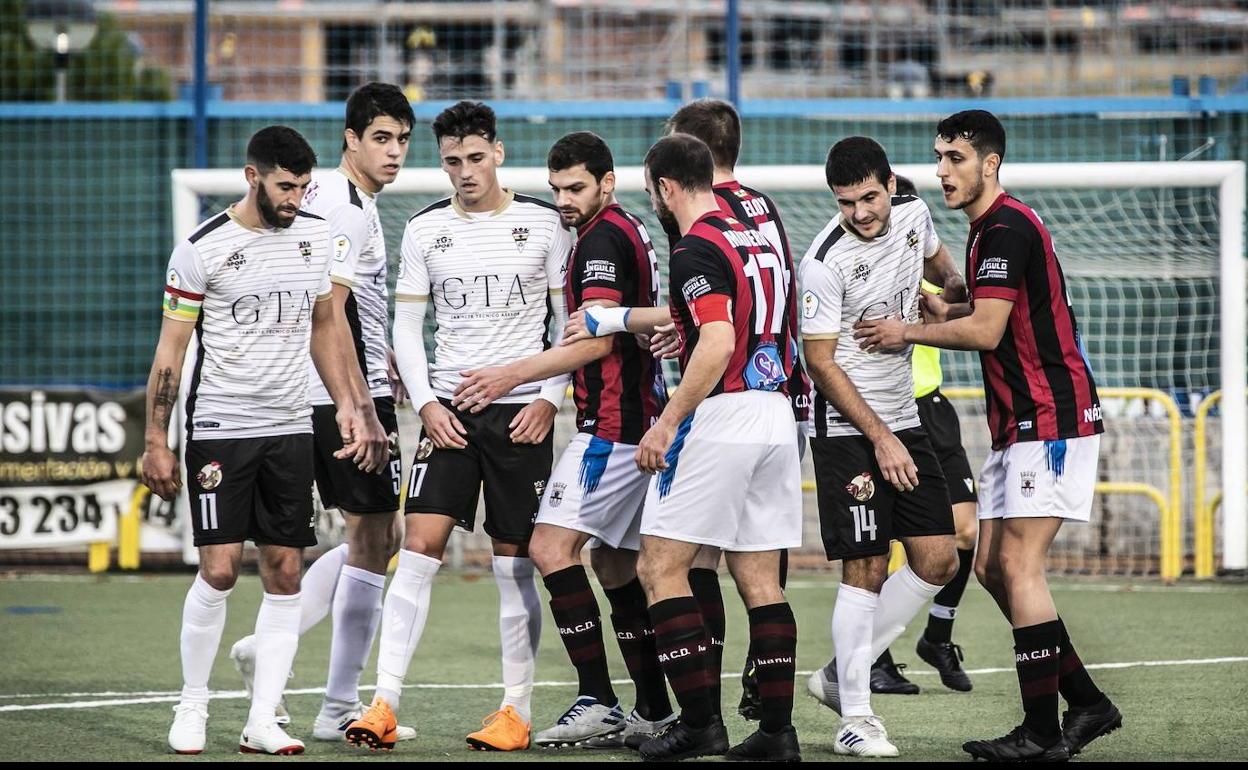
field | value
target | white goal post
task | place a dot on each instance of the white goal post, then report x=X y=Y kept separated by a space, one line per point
x=1228 y=178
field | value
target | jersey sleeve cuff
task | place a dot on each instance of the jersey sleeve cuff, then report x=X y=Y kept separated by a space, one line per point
x=326 y=296
x=600 y=292
x=996 y=292
x=411 y=297
x=710 y=308
x=822 y=336
x=350 y=284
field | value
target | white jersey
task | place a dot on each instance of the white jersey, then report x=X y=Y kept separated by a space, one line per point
x=492 y=278
x=250 y=294
x=359 y=263
x=846 y=279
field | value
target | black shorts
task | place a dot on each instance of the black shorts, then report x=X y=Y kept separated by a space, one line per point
x=341 y=483
x=257 y=489
x=860 y=513
x=940 y=420
x=449 y=481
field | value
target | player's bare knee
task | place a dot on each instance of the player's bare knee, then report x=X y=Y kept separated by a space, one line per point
x=220 y=576
x=613 y=567
x=707 y=558
x=868 y=574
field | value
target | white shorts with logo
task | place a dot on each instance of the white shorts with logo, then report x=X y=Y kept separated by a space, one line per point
x=1040 y=478
x=597 y=489
x=733 y=478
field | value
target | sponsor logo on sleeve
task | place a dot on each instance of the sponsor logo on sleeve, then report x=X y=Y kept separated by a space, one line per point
x=342 y=247
x=810 y=305
x=600 y=270
x=993 y=268
x=695 y=287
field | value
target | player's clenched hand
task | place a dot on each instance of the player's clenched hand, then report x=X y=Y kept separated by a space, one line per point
x=481 y=387
x=652 y=451
x=364 y=441
x=442 y=426
x=933 y=307
x=533 y=422
x=160 y=472
x=666 y=341
x=396 y=382
x=575 y=329
x=883 y=335
x=896 y=464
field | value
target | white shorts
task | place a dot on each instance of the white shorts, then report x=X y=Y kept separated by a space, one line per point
x=733 y=480
x=597 y=489
x=1040 y=478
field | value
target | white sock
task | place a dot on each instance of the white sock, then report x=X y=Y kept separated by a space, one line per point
x=318 y=586
x=203 y=620
x=519 y=628
x=277 y=640
x=403 y=621
x=357 y=608
x=852 y=619
x=904 y=594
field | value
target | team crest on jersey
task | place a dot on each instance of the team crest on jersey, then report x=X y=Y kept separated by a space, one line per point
x=443 y=242
x=556 y=493
x=209 y=476
x=1028 y=485
x=862 y=271
x=861 y=487
x=236 y=260
x=424 y=448
x=912 y=239
x=305 y=251
x=521 y=236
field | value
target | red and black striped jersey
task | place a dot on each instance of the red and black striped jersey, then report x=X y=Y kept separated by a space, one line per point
x=723 y=270
x=1038 y=382
x=618 y=397
x=752 y=207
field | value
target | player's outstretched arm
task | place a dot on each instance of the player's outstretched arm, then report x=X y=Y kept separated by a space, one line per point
x=716 y=342
x=832 y=381
x=160 y=464
x=588 y=323
x=481 y=387
x=981 y=330
x=363 y=438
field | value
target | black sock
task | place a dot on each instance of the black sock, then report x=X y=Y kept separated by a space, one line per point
x=885 y=659
x=576 y=614
x=944 y=606
x=681 y=638
x=1074 y=681
x=1036 y=658
x=635 y=635
x=784 y=569
x=773 y=638
x=705 y=586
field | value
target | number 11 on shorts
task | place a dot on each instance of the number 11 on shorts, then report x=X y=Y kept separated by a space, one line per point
x=864 y=521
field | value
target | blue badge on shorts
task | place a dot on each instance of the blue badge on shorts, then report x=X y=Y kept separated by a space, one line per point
x=764 y=370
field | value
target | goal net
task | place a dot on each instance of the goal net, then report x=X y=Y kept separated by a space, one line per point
x=1153 y=253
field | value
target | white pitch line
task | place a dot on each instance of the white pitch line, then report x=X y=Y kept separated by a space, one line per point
x=173 y=697
x=1099 y=588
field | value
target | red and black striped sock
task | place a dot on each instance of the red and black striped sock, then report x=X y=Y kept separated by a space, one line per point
x=635 y=635
x=1074 y=681
x=576 y=614
x=1036 y=658
x=773 y=642
x=682 y=642
x=705 y=586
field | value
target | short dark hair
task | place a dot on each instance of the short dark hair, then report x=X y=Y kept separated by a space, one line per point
x=684 y=159
x=855 y=160
x=280 y=146
x=905 y=186
x=581 y=147
x=715 y=122
x=373 y=99
x=464 y=119
x=979 y=127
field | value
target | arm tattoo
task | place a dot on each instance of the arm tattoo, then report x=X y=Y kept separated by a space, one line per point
x=165 y=399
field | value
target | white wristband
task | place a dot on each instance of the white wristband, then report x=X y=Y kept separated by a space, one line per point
x=605 y=321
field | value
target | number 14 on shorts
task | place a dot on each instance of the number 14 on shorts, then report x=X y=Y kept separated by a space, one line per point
x=864 y=522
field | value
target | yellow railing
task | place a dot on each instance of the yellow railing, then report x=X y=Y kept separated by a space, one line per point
x=1170 y=505
x=1203 y=514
